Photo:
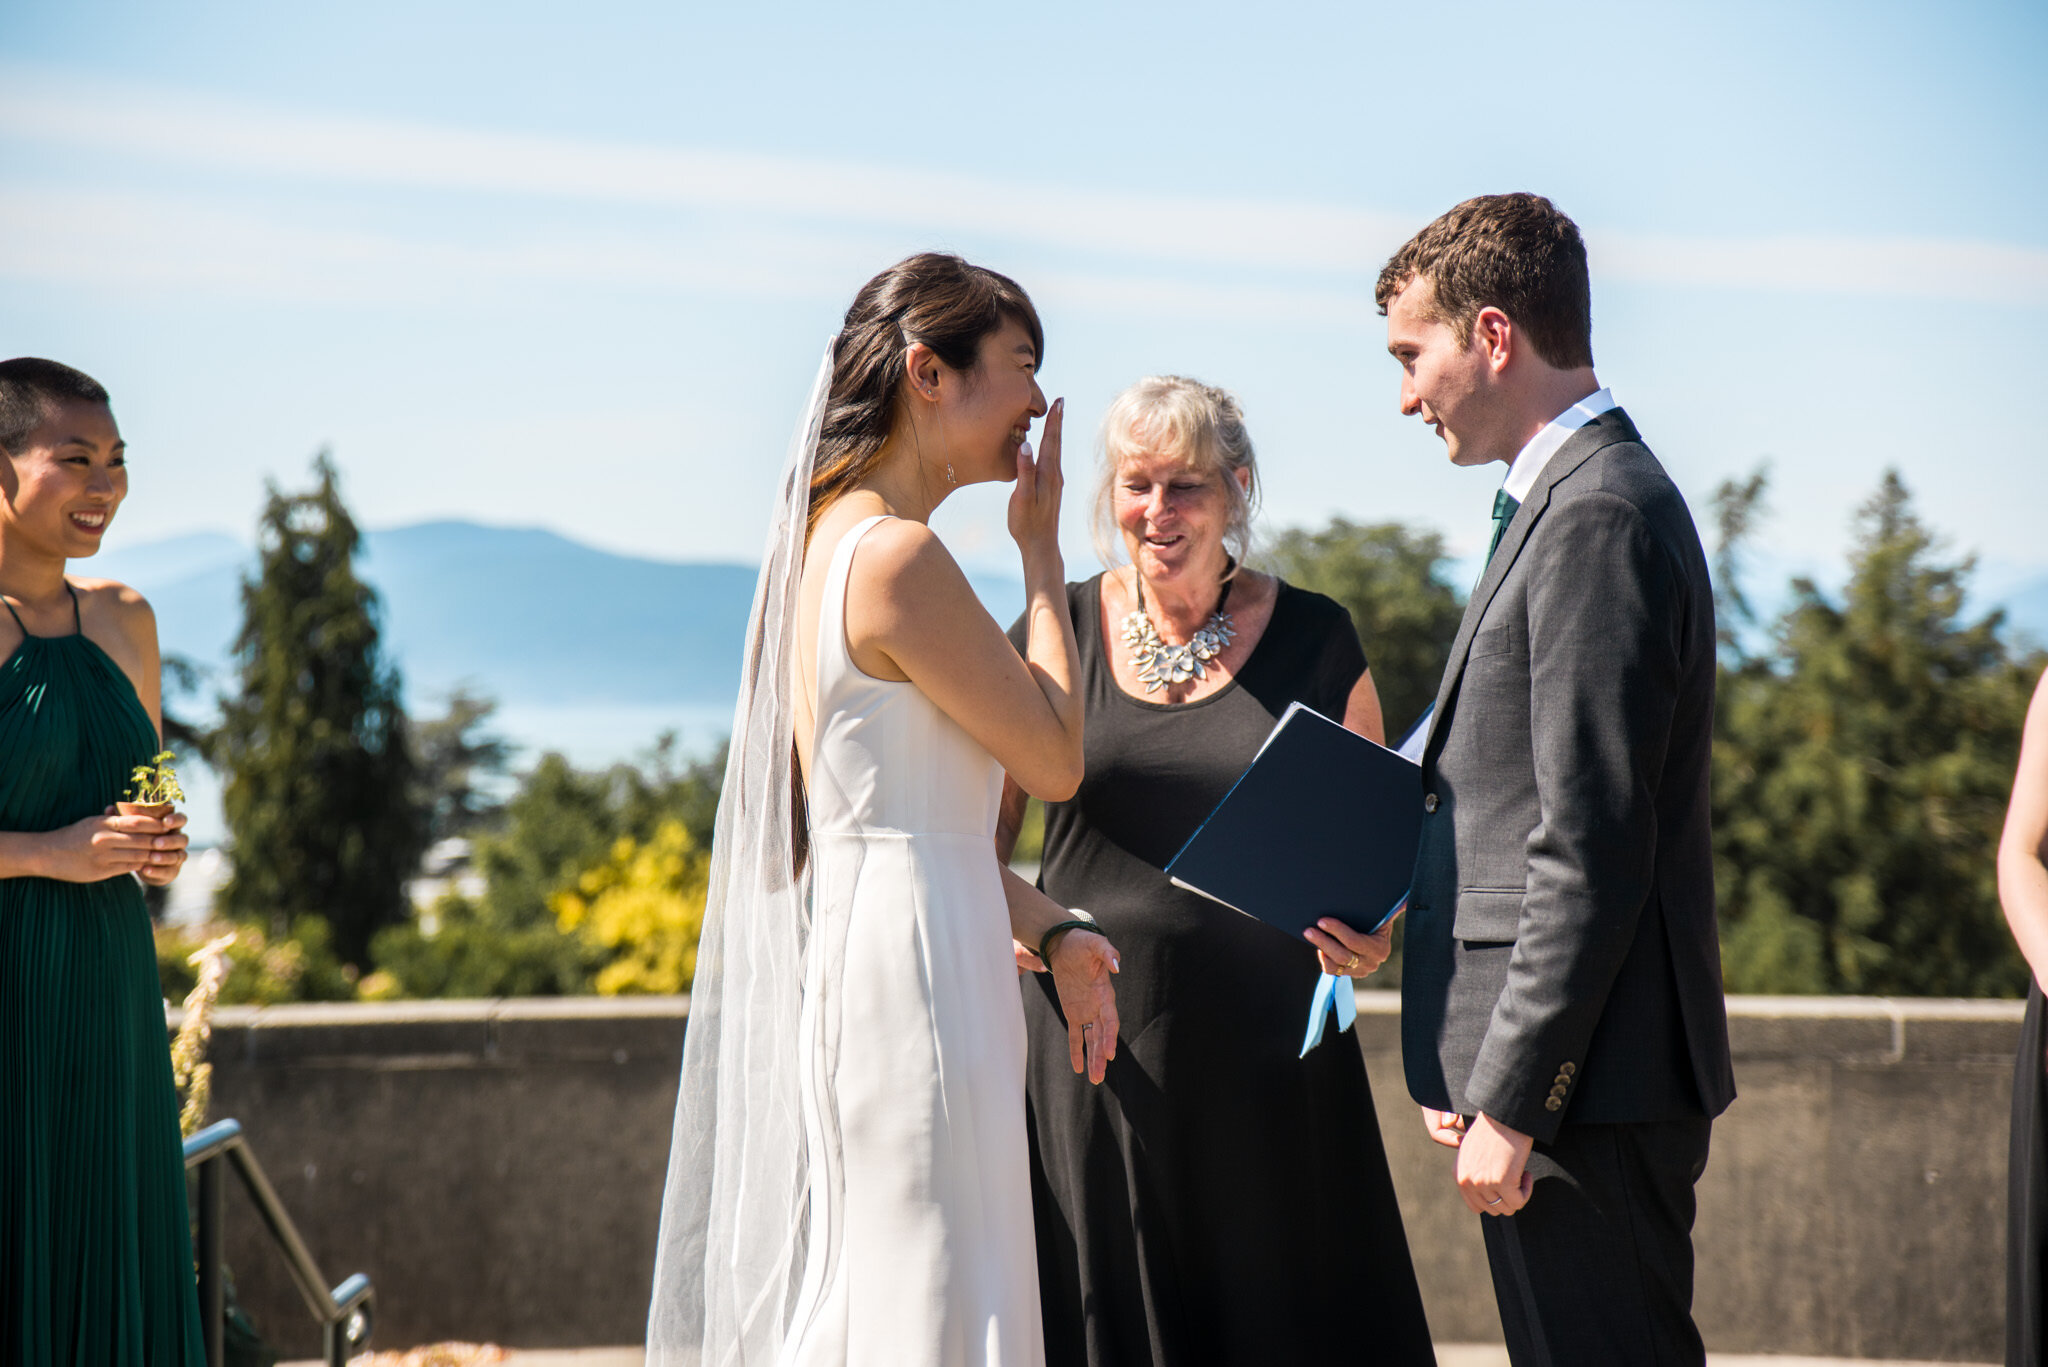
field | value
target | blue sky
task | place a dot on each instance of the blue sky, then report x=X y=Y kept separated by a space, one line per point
x=576 y=271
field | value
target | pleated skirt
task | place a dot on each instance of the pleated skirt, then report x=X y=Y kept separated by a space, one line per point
x=95 y=1242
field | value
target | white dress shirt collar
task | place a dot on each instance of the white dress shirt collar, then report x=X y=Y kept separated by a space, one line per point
x=1531 y=459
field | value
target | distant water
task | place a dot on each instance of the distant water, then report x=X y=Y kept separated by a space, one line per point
x=592 y=736
x=604 y=654
x=588 y=735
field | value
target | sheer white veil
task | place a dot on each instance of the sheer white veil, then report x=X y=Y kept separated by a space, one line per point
x=733 y=1215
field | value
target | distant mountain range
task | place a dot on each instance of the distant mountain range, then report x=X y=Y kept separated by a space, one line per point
x=525 y=616
x=595 y=654
x=534 y=619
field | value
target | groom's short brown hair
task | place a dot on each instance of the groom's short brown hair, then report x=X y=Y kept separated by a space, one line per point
x=1517 y=253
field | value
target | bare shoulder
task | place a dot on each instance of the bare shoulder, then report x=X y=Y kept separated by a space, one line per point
x=119 y=601
x=113 y=604
x=898 y=546
x=906 y=558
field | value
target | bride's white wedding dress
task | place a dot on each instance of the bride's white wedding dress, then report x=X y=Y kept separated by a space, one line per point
x=920 y=1249
x=848 y=1184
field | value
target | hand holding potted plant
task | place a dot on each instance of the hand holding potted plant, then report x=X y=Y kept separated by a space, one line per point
x=153 y=789
x=153 y=794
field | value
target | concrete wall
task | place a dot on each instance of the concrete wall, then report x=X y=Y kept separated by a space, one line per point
x=1854 y=1202
x=496 y=1167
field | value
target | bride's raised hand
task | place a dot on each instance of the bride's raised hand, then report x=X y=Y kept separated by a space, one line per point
x=1035 y=499
x=1082 y=964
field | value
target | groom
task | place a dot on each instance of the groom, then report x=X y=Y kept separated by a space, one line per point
x=1562 y=1018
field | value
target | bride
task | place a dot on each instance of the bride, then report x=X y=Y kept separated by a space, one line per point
x=849 y=1180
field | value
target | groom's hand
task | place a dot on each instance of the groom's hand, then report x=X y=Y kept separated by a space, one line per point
x=1445 y=1127
x=1492 y=1165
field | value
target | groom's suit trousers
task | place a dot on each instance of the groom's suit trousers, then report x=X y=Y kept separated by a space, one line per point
x=1597 y=1270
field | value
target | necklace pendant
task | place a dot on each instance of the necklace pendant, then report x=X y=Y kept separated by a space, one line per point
x=1159 y=664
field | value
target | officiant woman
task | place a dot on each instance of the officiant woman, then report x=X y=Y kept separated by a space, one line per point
x=1219 y=1200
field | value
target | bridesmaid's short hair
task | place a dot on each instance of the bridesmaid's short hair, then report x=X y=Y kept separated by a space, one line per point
x=30 y=387
x=935 y=298
x=1200 y=424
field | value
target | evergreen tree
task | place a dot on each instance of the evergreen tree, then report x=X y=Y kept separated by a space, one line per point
x=1860 y=775
x=1738 y=506
x=452 y=754
x=181 y=679
x=321 y=794
x=1389 y=577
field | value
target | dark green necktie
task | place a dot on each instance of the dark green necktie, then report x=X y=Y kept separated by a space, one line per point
x=1504 y=505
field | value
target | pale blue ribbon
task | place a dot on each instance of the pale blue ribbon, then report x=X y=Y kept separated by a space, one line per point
x=1329 y=998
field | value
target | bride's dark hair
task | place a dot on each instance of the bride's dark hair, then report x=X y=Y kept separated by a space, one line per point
x=933 y=297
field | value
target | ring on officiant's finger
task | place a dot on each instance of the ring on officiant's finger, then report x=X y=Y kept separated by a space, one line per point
x=1352 y=964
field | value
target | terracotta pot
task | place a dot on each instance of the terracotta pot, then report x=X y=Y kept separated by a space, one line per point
x=158 y=810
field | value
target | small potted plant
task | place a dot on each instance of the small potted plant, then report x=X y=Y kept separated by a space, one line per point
x=153 y=789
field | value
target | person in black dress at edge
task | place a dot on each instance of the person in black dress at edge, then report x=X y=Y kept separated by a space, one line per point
x=1219 y=1200
x=2023 y=890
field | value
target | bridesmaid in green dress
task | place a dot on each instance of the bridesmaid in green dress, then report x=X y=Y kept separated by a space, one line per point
x=95 y=1246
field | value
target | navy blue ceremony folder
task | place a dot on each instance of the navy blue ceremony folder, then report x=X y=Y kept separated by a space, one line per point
x=1323 y=823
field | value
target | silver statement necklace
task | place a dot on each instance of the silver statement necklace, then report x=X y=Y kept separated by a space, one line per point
x=1160 y=664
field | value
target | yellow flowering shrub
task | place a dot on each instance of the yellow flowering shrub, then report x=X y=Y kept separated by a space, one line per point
x=643 y=908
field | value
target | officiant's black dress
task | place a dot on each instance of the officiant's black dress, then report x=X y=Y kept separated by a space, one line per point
x=1218 y=1200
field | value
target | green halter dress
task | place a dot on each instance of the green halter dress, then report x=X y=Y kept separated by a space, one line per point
x=95 y=1246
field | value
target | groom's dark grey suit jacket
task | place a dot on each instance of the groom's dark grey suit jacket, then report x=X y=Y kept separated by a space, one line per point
x=1561 y=958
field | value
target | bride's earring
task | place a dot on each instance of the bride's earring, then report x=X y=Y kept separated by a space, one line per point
x=933 y=395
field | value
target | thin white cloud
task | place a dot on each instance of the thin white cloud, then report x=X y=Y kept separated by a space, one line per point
x=815 y=199
x=181 y=129
x=1926 y=268
x=169 y=243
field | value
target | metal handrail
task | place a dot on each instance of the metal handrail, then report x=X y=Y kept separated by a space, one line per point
x=344 y=1313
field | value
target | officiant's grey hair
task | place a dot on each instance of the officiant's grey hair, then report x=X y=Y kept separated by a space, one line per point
x=1200 y=424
